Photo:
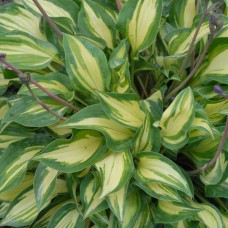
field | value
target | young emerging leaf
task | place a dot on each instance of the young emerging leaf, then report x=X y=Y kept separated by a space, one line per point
x=176 y=120
x=169 y=212
x=139 y=21
x=96 y=20
x=123 y=109
x=87 y=66
x=115 y=170
x=26 y=52
x=73 y=155
x=153 y=167
x=93 y=117
x=117 y=202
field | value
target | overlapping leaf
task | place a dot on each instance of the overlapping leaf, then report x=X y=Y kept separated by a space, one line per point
x=73 y=155
x=115 y=170
x=86 y=65
x=177 y=119
x=93 y=117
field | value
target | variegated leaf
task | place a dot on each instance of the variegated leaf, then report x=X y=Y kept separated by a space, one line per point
x=159 y=191
x=139 y=21
x=13 y=132
x=100 y=219
x=55 y=8
x=16 y=17
x=216 y=69
x=13 y=165
x=90 y=191
x=3 y=208
x=153 y=168
x=115 y=170
x=209 y=215
x=147 y=137
x=54 y=82
x=117 y=202
x=8 y=196
x=97 y=20
x=26 y=52
x=219 y=190
x=181 y=41
x=3 y=85
x=26 y=111
x=132 y=210
x=119 y=64
x=44 y=184
x=214 y=176
x=73 y=155
x=87 y=66
x=123 y=109
x=60 y=131
x=216 y=110
x=66 y=216
x=182 y=13
x=23 y=211
x=93 y=117
x=176 y=120
x=3 y=107
x=169 y=212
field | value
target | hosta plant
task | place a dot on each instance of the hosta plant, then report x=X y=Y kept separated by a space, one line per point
x=114 y=113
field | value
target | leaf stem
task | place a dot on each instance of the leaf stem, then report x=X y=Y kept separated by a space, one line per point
x=49 y=20
x=21 y=77
x=219 y=150
x=118 y=3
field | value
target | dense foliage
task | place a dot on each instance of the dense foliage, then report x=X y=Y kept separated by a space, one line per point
x=109 y=117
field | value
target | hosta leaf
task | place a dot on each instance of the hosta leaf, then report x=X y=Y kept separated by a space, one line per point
x=154 y=167
x=11 y=194
x=15 y=17
x=23 y=211
x=132 y=210
x=145 y=218
x=180 y=43
x=3 y=209
x=216 y=69
x=44 y=184
x=213 y=176
x=169 y=212
x=159 y=191
x=100 y=219
x=216 y=111
x=154 y=103
x=210 y=216
x=122 y=108
x=15 y=159
x=3 y=107
x=219 y=190
x=3 y=85
x=12 y=133
x=96 y=20
x=90 y=192
x=54 y=82
x=66 y=216
x=120 y=68
x=93 y=117
x=26 y=52
x=75 y=154
x=43 y=219
x=86 y=65
x=115 y=170
x=27 y=112
x=182 y=13
x=139 y=21
x=55 y=8
x=147 y=137
x=117 y=202
x=176 y=120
